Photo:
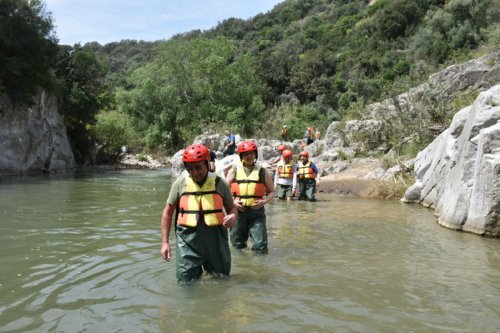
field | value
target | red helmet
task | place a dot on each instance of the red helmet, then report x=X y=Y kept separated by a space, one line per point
x=286 y=153
x=247 y=146
x=309 y=129
x=281 y=147
x=195 y=153
x=304 y=153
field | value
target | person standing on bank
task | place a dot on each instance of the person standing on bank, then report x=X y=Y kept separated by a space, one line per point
x=230 y=144
x=284 y=133
x=317 y=134
x=252 y=188
x=285 y=179
x=199 y=199
x=308 y=178
x=309 y=136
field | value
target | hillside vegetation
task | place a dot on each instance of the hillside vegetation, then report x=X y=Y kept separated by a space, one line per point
x=304 y=63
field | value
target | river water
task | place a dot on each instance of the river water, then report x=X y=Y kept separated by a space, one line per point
x=81 y=253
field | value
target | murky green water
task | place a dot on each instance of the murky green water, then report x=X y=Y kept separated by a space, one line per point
x=81 y=253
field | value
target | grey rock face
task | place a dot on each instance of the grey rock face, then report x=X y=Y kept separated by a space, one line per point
x=33 y=139
x=458 y=174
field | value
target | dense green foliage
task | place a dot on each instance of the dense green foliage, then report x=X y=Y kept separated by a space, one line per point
x=304 y=63
x=26 y=48
x=113 y=130
x=323 y=60
x=193 y=86
x=121 y=58
x=80 y=77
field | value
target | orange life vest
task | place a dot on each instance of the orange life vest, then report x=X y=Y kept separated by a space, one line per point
x=245 y=188
x=306 y=170
x=201 y=202
x=285 y=170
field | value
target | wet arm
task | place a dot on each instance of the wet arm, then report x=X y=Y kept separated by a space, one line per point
x=229 y=174
x=318 y=174
x=294 y=179
x=166 y=225
x=270 y=187
x=231 y=217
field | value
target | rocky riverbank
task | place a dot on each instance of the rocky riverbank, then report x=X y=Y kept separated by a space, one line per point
x=355 y=180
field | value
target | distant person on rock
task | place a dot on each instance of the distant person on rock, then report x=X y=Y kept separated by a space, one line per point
x=229 y=144
x=308 y=178
x=284 y=133
x=252 y=188
x=204 y=210
x=309 y=136
x=285 y=178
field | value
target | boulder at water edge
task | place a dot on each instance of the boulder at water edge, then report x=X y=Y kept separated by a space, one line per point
x=458 y=174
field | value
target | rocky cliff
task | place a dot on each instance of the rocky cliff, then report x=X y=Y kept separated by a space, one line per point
x=458 y=174
x=33 y=139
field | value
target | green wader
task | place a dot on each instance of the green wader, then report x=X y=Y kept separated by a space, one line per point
x=202 y=248
x=250 y=222
x=285 y=191
x=307 y=189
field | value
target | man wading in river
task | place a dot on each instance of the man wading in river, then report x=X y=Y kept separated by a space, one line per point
x=252 y=187
x=308 y=176
x=198 y=198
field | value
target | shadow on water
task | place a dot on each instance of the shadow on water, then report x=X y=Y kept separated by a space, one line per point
x=80 y=252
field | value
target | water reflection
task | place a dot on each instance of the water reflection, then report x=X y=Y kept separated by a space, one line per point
x=81 y=253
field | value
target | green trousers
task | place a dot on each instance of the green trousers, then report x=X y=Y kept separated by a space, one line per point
x=307 y=189
x=202 y=248
x=251 y=223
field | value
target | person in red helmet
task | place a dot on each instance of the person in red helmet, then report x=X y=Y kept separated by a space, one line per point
x=199 y=199
x=285 y=178
x=308 y=178
x=309 y=135
x=252 y=188
x=280 y=150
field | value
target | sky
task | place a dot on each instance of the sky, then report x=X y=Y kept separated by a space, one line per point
x=105 y=21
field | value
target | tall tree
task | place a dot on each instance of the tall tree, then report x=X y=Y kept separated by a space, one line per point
x=27 y=46
x=84 y=94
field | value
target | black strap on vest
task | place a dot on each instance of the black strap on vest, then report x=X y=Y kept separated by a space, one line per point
x=200 y=193
x=201 y=211
x=247 y=181
x=249 y=196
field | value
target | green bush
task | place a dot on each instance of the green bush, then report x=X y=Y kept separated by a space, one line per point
x=113 y=130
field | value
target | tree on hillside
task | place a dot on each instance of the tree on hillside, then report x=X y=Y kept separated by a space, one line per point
x=84 y=94
x=192 y=86
x=27 y=46
x=455 y=28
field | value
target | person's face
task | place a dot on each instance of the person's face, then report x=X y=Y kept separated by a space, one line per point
x=248 y=157
x=197 y=170
x=288 y=159
x=303 y=158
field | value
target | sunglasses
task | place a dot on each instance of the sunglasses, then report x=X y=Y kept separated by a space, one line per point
x=194 y=167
